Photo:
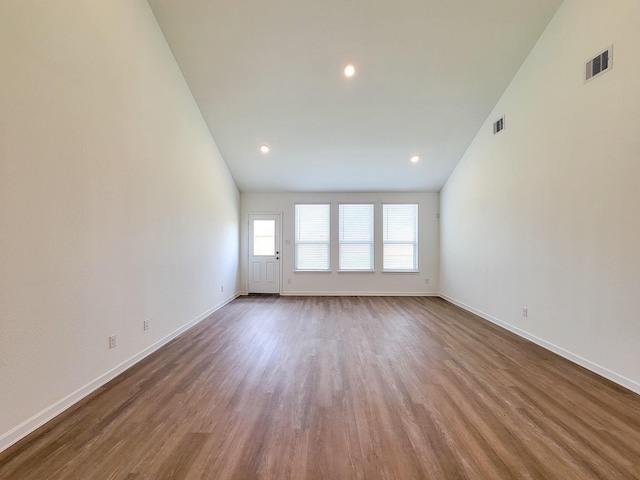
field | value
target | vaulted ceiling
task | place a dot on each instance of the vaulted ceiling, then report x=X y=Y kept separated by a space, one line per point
x=428 y=73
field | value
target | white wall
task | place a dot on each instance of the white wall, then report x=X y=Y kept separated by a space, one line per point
x=115 y=204
x=351 y=283
x=545 y=214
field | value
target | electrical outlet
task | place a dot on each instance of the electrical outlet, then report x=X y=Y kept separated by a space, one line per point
x=222 y=288
x=288 y=280
x=145 y=324
x=426 y=281
x=112 y=341
x=525 y=312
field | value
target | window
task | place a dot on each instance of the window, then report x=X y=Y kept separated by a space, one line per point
x=312 y=237
x=264 y=238
x=400 y=237
x=356 y=237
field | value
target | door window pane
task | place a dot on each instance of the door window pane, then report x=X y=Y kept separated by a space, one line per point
x=264 y=237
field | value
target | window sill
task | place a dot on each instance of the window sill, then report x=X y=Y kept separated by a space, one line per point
x=356 y=271
x=312 y=271
x=410 y=272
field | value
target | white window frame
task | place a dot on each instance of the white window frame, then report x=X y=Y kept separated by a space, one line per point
x=342 y=241
x=299 y=242
x=386 y=242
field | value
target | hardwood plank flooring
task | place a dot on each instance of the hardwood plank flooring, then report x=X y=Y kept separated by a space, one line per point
x=342 y=388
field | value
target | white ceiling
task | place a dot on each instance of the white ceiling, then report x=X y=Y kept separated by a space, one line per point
x=428 y=74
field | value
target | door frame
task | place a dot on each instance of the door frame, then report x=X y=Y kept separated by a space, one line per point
x=278 y=247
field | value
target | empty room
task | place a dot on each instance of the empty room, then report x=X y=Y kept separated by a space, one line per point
x=354 y=239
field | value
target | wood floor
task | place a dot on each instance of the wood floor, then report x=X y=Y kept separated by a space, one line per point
x=342 y=388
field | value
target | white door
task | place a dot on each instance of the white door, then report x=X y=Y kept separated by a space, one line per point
x=264 y=253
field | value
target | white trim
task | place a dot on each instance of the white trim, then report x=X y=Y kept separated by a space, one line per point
x=359 y=294
x=401 y=272
x=583 y=362
x=356 y=271
x=39 y=419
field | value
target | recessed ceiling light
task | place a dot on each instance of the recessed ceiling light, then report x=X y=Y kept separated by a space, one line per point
x=349 y=71
x=415 y=159
x=264 y=148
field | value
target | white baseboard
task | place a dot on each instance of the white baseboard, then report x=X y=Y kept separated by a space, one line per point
x=583 y=362
x=42 y=417
x=359 y=294
x=353 y=294
x=39 y=419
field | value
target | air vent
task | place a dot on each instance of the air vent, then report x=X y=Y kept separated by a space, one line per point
x=498 y=126
x=598 y=65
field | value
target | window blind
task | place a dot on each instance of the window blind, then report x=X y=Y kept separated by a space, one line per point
x=400 y=237
x=356 y=237
x=312 y=237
